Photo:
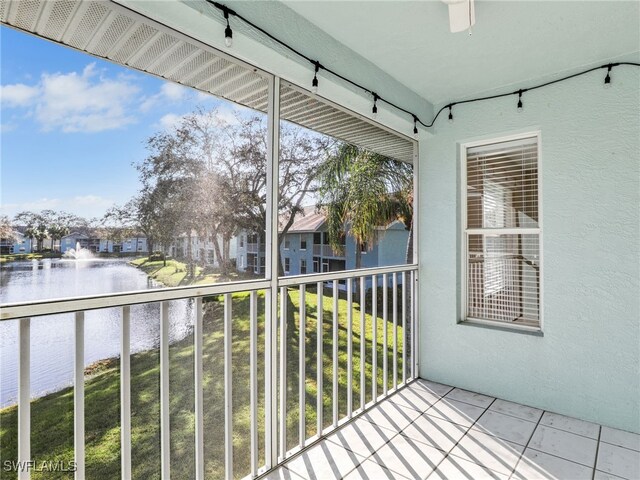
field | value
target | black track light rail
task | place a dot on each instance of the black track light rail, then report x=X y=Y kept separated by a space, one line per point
x=318 y=66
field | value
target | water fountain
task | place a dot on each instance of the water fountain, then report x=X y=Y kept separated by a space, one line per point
x=78 y=253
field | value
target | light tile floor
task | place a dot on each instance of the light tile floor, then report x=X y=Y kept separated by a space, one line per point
x=429 y=430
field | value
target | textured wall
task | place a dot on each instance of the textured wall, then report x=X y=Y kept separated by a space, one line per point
x=587 y=364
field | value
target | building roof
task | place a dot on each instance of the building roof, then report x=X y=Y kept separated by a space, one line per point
x=309 y=220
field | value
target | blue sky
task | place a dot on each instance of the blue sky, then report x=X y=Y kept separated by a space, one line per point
x=72 y=125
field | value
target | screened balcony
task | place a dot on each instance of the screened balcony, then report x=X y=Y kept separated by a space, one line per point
x=496 y=337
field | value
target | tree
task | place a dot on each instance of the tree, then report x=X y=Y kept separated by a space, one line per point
x=209 y=176
x=59 y=224
x=116 y=225
x=361 y=191
x=168 y=177
x=7 y=231
x=35 y=226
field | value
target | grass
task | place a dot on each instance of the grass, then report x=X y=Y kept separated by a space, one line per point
x=176 y=274
x=28 y=256
x=52 y=415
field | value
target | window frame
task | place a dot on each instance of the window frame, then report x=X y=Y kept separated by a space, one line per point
x=463 y=233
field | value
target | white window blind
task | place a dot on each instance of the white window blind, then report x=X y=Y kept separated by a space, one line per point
x=502 y=234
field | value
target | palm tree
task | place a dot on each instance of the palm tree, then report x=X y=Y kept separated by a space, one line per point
x=362 y=191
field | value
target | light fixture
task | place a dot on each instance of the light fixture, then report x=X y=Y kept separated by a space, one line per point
x=450 y=115
x=374 y=110
x=520 y=108
x=461 y=18
x=314 y=82
x=607 y=79
x=228 y=33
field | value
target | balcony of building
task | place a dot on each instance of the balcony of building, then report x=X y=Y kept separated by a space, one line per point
x=505 y=344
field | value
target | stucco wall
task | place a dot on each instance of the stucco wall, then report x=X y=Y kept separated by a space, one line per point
x=587 y=364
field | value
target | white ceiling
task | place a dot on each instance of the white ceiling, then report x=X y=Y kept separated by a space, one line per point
x=513 y=42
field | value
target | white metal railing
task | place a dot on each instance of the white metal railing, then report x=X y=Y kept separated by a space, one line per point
x=326 y=251
x=398 y=315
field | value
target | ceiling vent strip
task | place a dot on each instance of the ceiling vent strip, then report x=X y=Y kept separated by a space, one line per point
x=106 y=29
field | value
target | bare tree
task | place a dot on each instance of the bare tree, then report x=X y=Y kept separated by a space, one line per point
x=7 y=230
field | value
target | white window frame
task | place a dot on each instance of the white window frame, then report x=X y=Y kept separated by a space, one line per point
x=464 y=231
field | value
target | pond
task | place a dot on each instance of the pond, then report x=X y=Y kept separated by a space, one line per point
x=52 y=336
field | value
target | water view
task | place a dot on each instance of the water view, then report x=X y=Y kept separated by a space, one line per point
x=52 y=336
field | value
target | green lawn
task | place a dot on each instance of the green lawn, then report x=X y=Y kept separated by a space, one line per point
x=12 y=257
x=52 y=416
x=176 y=273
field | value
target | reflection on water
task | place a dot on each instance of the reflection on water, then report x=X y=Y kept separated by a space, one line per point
x=52 y=336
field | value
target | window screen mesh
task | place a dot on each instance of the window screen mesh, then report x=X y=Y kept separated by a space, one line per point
x=108 y=30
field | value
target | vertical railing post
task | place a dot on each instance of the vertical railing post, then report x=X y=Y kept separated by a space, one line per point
x=413 y=325
x=349 y=347
x=24 y=398
x=78 y=397
x=165 y=437
x=198 y=384
x=395 y=330
x=363 y=338
x=374 y=338
x=335 y=353
x=302 y=372
x=404 y=327
x=385 y=342
x=319 y=360
x=228 y=388
x=283 y=372
x=253 y=378
x=125 y=394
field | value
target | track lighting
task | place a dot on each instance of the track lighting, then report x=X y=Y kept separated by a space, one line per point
x=519 y=101
x=374 y=110
x=314 y=82
x=228 y=33
x=607 y=79
x=450 y=115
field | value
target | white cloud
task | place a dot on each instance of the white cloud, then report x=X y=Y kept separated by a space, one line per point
x=174 y=91
x=169 y=93
x=170 y=121
x=224 y=116
x=84 y=205
x=76 y=102
x=17 y=95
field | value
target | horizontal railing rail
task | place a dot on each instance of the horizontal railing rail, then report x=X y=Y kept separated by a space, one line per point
x=12 y=311
x=342 y=345
x=342 y=275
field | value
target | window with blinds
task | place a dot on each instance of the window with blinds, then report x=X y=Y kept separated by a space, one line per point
x=502 y=233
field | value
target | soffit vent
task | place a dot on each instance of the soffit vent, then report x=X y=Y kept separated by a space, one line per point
x=108 y=30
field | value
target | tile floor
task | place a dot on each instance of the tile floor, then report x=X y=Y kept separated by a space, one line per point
x=434 y=431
